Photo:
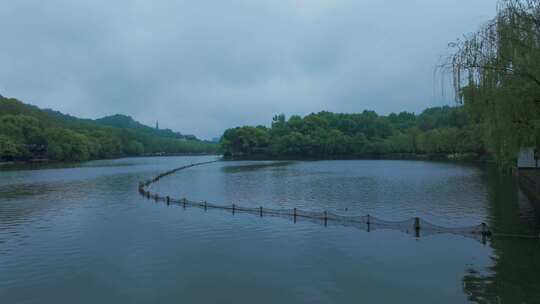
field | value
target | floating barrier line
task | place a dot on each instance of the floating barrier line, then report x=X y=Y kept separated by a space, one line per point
x=413 y=226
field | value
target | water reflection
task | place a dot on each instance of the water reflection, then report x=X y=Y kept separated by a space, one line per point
x=83 y=234
x=441 y=193
x=253 y=166
x=514 y=276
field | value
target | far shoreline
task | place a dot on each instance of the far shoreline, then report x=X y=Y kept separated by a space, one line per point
x=451 y=158
x=32 y=162
x=456 y=157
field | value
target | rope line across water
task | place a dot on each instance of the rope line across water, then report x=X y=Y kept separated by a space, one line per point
x=365 y=222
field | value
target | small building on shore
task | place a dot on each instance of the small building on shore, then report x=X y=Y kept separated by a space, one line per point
x=528 y=173
x=528 y=158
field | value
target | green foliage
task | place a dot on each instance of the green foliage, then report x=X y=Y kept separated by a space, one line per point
x=64 y=144
x=245 y=140
x=134 y=148
x=8 y=149
x=497 y=76
x=441 y=130
x=127 y=122
x=28 y=132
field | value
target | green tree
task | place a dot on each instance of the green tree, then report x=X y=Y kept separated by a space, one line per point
x=134 y=148
x=64 y=144
x=8 y=149
x=447 y=130
x=497 y=76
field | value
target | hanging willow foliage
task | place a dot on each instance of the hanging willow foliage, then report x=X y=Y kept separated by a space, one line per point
x=496 y=74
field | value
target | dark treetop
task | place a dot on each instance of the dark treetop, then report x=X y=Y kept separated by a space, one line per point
x=440 y=130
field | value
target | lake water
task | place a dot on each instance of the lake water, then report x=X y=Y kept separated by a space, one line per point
x=83 y=234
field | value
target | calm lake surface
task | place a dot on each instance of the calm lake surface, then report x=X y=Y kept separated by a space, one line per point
x=83 y=234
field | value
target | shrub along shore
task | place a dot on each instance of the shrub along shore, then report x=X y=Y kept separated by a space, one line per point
x=439 y=133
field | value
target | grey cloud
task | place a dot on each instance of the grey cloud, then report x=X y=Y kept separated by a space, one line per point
x=202 y=66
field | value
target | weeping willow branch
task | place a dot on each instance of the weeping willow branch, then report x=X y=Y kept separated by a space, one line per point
x=496 y=75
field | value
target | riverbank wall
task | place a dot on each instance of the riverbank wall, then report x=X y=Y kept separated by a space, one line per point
x=529 y=182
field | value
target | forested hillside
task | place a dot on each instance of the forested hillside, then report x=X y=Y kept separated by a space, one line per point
x=436 y=131
x=126 y=122
x=27 y=132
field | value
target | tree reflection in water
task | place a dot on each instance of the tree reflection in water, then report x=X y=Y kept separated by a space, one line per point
x=514 y=276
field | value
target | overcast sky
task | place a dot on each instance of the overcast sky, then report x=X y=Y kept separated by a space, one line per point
x=202 y=66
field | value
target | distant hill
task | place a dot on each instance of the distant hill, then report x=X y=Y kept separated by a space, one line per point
x=127 y=122
x=27 y=131
x=122 y=121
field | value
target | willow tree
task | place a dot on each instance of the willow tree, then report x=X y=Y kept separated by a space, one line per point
x=496 y=74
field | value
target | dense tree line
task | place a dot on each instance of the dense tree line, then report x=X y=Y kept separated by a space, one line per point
x=440 y=130
x=27 y=132
x=497 y=77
